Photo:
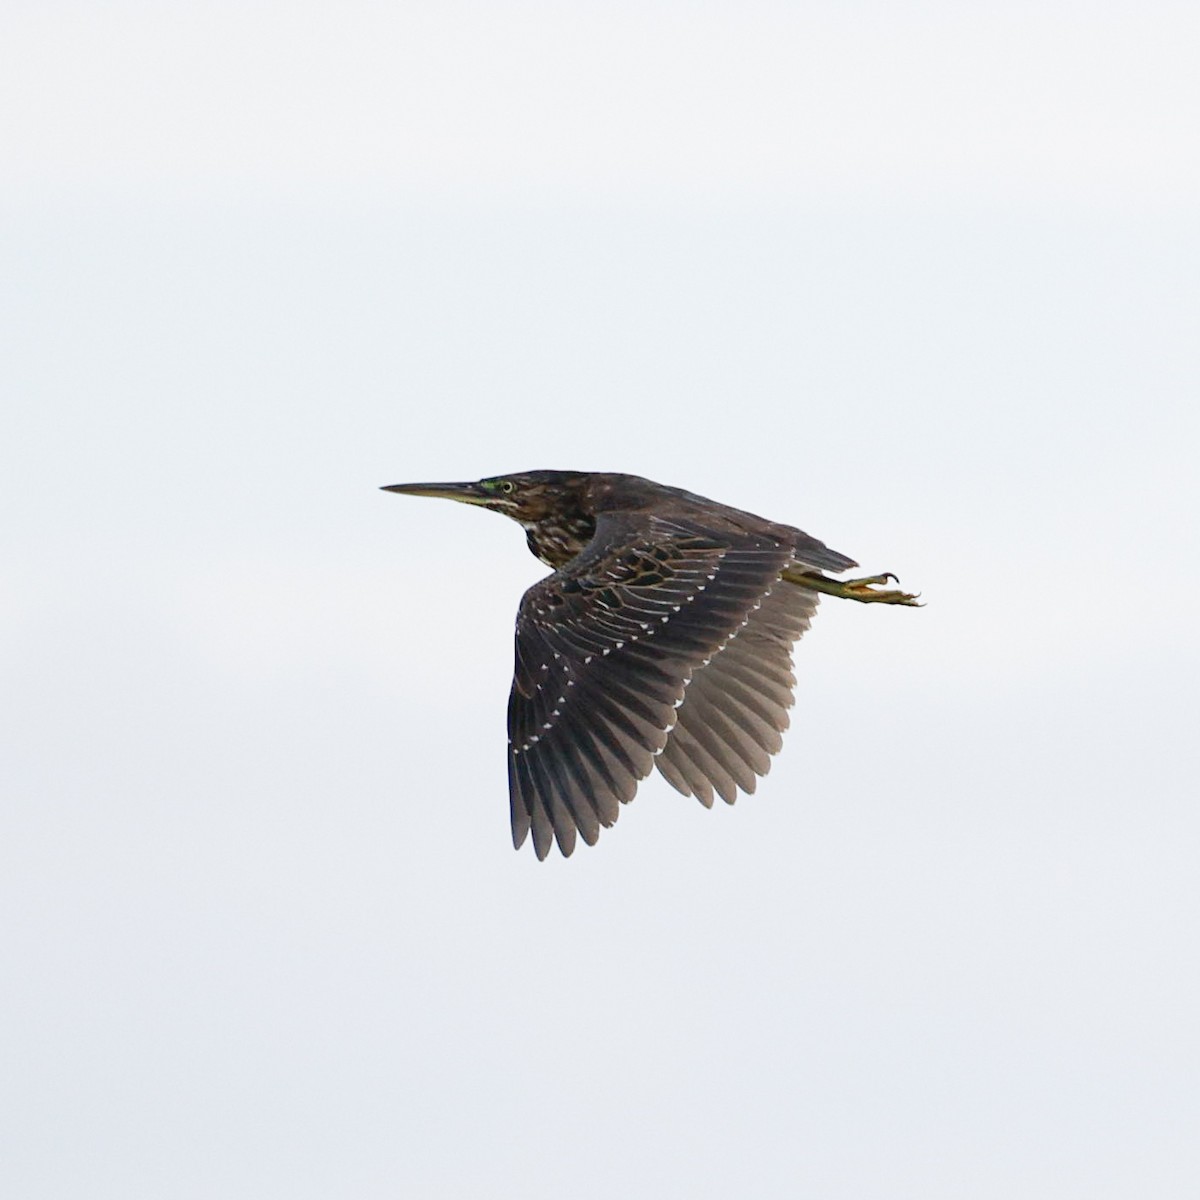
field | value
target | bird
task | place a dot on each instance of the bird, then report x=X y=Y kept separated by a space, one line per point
x=663 y=638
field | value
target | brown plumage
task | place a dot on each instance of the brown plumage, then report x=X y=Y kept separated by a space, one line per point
x=663 y=638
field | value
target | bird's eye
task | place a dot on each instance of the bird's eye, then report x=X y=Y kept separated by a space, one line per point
x=508 y=487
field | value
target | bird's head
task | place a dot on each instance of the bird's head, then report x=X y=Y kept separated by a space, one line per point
x=555 y=507
x=529 y=498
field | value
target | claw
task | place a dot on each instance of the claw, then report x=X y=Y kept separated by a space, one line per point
x=868 y=590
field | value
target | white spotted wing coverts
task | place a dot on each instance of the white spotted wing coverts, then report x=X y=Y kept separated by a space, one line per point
x=664 y=643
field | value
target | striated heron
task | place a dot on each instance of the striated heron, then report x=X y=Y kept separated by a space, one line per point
x=663 y=639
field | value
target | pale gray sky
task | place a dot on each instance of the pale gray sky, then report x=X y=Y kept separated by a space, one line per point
x=920 y=279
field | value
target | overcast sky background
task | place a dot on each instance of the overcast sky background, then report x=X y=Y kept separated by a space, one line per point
x=922 y=279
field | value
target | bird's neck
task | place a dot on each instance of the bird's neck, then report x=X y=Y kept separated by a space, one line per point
x=556 y=540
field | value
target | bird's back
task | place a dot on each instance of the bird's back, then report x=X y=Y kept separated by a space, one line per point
x=611 y=492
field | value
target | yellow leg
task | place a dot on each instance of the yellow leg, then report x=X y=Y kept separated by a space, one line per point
x=862 y=590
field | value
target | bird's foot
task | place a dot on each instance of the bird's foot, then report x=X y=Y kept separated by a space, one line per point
x=869 y=590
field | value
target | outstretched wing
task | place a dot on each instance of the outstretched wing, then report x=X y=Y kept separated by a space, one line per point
x=736 y=708
x=605 y=648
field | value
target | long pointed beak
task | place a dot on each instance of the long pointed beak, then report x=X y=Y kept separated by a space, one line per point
x=465 y=493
